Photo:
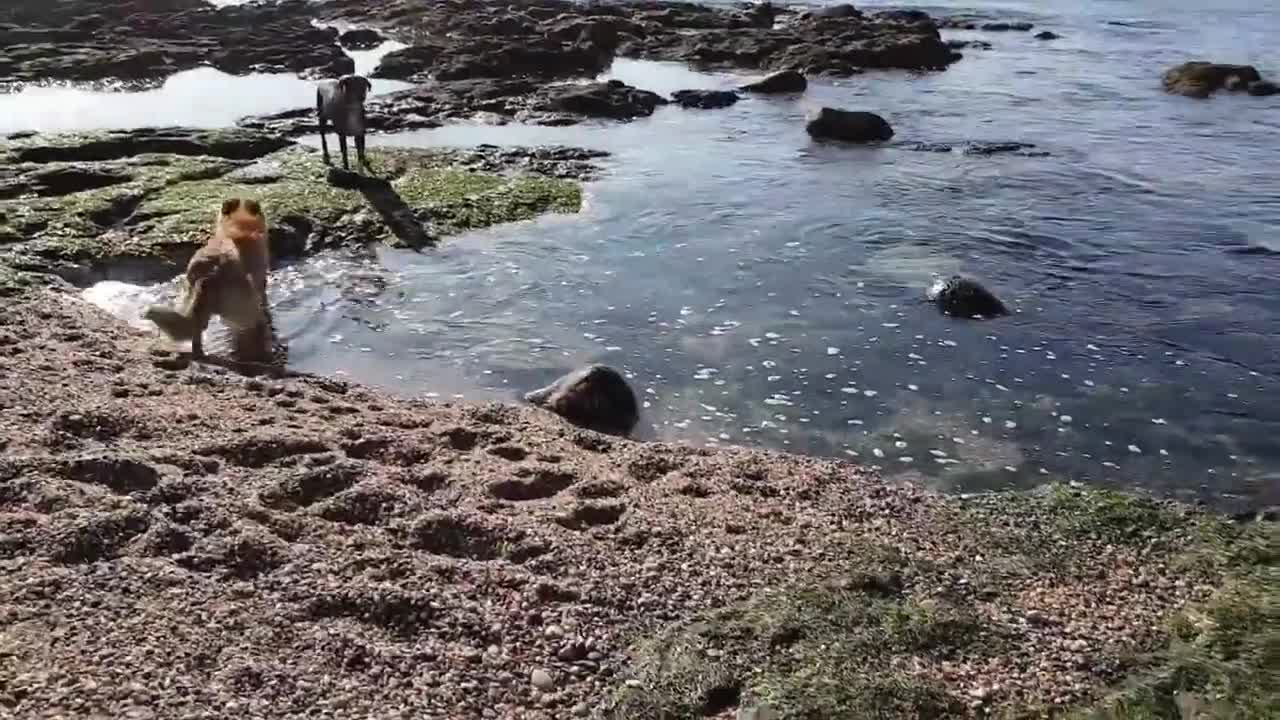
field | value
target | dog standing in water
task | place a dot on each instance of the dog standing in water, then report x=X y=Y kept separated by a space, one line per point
x=228 y=278
x=341 y=103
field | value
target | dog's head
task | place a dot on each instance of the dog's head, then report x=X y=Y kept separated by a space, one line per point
x=242 y=215
x=354 y=87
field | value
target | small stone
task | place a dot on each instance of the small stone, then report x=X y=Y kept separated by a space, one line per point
x=541 y=679
x=553 y=632
x=571 y=652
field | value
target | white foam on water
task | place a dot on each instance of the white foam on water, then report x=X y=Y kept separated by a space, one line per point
x=125 y=300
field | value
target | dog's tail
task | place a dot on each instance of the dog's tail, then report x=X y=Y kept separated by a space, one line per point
x=179 y=324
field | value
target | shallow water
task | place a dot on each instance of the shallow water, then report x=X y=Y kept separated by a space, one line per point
x=761 y=289
x=200 y=97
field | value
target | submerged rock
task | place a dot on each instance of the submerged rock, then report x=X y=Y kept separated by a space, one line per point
x=1262 y=88
x=1047 y=35
x=965 y=298
x=787 y=81
x=704 y=99
x=360 y=39
x=596 y=397
x=1199 y=79
x=849 y=126
x=1006 y=26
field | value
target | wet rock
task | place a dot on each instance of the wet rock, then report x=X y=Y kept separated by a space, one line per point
x=1262 y=88
x=838 y=11
x=962 y=297
x=613 y=99
x=976 y=147
x=233 y=144
x=704 y=99
x=543 y=58
x=975 y=44
x=140 y=43
x=849 y=126
x=360 y=39
x=787 y=81
x=1047 y=35
x=806 y=42
x=596 y=397
x=1199 y=79
x=1006 y=26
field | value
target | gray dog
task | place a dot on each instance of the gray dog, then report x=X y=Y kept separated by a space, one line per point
x=341 y=102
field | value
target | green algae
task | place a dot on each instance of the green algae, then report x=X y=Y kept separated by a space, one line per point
x=844 y=646
x=164 y=209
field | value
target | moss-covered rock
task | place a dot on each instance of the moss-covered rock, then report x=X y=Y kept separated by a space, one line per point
x=141 y=202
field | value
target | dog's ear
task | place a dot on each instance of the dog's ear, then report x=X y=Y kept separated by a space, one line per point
x=253 y=208
x=229 y=205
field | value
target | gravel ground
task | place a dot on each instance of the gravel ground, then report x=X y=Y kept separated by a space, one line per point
x=182 y=541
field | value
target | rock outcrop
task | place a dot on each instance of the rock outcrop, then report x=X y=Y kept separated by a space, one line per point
x=136 y=204
x=1200 y=79
x=962 y=297
x=848 y=126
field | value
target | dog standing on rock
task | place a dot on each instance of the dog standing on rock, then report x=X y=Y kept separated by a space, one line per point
x=341 y=103
x=228 y=278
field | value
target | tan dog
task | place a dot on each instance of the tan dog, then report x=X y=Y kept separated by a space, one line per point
x=228 y=278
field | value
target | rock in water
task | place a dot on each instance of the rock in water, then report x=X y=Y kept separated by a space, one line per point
x=965 y=298
x=1262 y=88
x=360 y=39
x=596 y=397
x=704 y=99
x=849 y=126
x=838 y=11
x=787 y=81
x=1047 y=35
x=1199 y=79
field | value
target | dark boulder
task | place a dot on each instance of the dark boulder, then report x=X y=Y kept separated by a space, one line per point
x=962 y=297
x=595 y=397
x=1199 y=79
x=838 y=11
x=1047 y=35
x=849 y=126
x=787 y=81
x=704 y=99
x=360 y=39
x=613 y=99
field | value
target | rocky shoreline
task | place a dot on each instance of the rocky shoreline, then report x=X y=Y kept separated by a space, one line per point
x=178 y=540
